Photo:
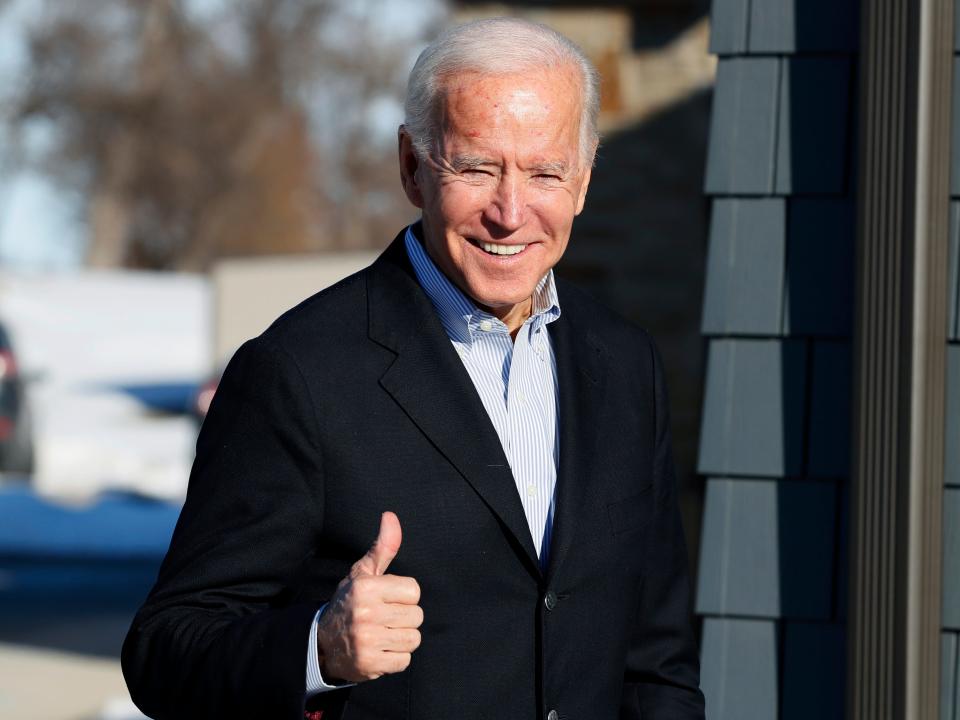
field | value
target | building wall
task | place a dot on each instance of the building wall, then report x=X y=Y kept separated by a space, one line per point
x=777 y=313
x=250 y=293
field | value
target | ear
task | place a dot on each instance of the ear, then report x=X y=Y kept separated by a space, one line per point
x=409 y=164
x=582 y=196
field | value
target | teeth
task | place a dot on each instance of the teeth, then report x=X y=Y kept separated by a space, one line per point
x=497 y=249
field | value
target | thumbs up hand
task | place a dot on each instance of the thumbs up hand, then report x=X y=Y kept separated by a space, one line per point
x=369 y=627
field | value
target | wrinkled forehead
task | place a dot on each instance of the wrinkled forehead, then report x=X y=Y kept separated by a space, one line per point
x=481 y=102
x=559 y=85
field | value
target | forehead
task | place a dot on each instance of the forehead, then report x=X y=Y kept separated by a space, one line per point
x=533 y=107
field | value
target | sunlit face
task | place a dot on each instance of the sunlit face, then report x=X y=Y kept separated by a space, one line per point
x=501 y=190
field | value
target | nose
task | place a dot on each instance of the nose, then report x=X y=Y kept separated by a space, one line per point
x=507 y=208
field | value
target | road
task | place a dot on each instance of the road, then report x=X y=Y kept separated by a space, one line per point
x=70 y=581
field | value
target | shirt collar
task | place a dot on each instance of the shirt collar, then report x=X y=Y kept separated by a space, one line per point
x=458 y=314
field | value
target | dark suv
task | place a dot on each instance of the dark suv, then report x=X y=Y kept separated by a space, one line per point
x=16 y=441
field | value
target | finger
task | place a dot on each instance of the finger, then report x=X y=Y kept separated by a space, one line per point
x=394 y=662
x=399 y=589
x=397 y=615
x=383 y=550
x=400 y=640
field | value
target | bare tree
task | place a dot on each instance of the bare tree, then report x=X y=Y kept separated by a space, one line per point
x=195 y=135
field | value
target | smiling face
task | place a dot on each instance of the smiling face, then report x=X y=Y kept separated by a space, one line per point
x=501 y=189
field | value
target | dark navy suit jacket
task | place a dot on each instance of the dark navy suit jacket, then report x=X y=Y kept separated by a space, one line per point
x=355 y=402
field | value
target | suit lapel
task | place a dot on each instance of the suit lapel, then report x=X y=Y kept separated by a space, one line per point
x=427 y=379
x=581 y=379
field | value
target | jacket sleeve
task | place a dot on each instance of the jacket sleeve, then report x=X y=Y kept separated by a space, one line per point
x=221 y=634
x=662 y=675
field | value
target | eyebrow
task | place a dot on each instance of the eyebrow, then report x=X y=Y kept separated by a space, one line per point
x=469 y=162
x=553 y=168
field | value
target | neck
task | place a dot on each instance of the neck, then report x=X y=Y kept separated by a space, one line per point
x=513 y=316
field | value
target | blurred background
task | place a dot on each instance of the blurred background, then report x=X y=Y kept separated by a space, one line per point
x=176 y=173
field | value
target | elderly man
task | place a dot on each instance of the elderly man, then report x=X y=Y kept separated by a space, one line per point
x=503 y=437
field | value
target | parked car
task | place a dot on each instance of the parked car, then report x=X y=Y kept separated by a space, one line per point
x=16 y=434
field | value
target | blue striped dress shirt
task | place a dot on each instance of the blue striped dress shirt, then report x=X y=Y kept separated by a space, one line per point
x=516 y=380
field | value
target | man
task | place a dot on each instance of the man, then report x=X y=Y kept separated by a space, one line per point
x=504 y=438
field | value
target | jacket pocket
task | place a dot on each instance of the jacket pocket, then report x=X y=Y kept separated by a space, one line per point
x=632 y=512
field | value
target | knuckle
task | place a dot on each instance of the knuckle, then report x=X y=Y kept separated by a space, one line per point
x=356 y=635
x=357 y=571
x=365 y=637
x=361 y=583
x=350 y=595
x=365 y=662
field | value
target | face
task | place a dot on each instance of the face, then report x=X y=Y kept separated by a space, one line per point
x=506 y=180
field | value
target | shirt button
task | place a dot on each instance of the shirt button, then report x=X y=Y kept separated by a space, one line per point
x=553 y=715
x=531 y=490
x=550 y=601
x=486 y=325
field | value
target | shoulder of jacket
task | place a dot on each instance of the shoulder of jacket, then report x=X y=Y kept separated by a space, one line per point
x=332 y=311
x=609 y=326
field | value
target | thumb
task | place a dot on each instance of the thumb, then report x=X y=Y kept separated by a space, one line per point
x=384 y=549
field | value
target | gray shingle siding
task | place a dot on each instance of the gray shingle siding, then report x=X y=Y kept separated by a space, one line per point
x=951 y=559
x=783 y=26
x=743 y=127
x=728 y=26
x=955 y=138
x=746 y=259
x=952 y=460
x=777 y=311
x=809 y=26
x=769 y=133
x=811 y=142
x=953 y=328
x=818 y=299
x=948 y=676
x=813 y=671
x=828 y=454
x=740 y=659
x=753 y=410
x=752 y=531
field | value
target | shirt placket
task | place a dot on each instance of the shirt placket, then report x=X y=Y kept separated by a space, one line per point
x=521 y=421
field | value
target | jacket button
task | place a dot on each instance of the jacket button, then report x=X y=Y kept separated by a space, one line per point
x=550 y=601
x=553 y=715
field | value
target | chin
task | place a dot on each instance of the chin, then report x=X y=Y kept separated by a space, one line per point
x=491 y=298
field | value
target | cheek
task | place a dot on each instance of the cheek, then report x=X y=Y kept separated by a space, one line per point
x=555 y=212
x=464 y=199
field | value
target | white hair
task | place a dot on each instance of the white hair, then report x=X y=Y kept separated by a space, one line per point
x=497 y=46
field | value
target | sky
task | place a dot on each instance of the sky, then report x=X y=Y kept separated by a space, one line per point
x=42 y=226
